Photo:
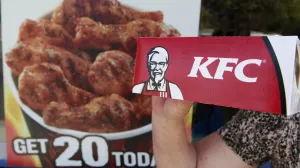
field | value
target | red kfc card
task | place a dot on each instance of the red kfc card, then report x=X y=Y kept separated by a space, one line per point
x=254 y=73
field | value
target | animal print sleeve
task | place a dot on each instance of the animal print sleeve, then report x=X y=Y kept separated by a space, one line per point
x=253 y=135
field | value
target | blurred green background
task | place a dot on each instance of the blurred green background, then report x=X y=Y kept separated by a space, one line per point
x=247 y=17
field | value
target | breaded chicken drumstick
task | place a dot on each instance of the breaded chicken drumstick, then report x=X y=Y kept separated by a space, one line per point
x=112 y=72
x=95 y=35
x=41 y=84
x=50 y=33
x=105 y=11
x=104 y=114
x=28 y=53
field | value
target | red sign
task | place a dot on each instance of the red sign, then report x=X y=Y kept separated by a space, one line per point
x=239 y=72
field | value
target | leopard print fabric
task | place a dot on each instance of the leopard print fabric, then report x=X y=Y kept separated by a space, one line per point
x=260 y=137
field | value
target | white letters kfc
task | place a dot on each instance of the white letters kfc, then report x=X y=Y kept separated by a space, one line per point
x=222 y=67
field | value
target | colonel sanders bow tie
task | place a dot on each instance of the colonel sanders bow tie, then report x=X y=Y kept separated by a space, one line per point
x=156 y=85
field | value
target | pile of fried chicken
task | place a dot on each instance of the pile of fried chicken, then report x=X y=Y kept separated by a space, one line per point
x=60 y=76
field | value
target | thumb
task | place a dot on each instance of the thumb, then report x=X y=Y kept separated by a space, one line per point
x=158 y=104
x=177 y=109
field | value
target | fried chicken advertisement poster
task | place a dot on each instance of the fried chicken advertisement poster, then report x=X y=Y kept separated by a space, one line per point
x=69 y=69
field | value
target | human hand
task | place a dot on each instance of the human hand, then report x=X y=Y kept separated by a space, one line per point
x=170 y=109
x=170 y=144
x=172 y=148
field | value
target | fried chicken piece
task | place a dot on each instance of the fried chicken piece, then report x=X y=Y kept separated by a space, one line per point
x=58 y=16
x=142 y=106
x=105 y=11
x=70 y=12
x=104 y=114
x=113 y=12
x=94 y=35
x=43 y=83
x=112 y=72
x=50 y=33
x=28 y=53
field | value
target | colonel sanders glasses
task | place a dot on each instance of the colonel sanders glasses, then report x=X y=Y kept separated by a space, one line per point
x=154 y=65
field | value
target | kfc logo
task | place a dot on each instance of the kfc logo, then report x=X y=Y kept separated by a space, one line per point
x=222 y=67
x=157 y=84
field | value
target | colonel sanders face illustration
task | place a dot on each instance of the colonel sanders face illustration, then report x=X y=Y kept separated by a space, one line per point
x=157 y=84
x=158 y=59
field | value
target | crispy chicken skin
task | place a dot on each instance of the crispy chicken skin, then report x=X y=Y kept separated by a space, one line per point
x=72 y=11
x=104 y=114
x=113 y=12
x=43 y=83
x=142 y=106
x=112 y=72
x=105 y=11
x=50 y=33
x=58 y=16
x=95 y=35
x=28 y=53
